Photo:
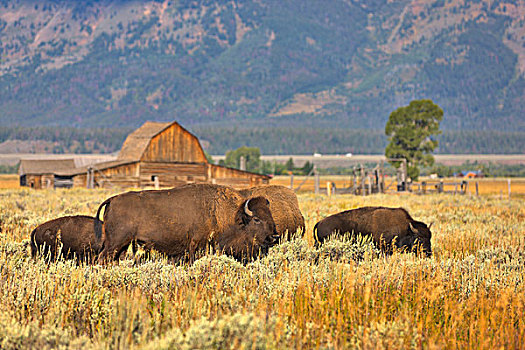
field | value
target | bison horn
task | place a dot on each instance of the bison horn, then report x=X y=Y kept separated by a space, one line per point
x=412 y=228
x=430 y=225
x=246 y=209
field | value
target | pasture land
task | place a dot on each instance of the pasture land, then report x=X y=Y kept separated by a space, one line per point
x=495 y=186
x=470 y=294
x=9 y=181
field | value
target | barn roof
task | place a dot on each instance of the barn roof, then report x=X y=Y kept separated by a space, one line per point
x=97 y=166
x=137 y=142
x=45 y=166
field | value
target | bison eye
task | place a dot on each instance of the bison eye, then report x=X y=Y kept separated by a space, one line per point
x=256 y=220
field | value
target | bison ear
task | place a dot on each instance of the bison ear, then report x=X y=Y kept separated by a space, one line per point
x=413 y=229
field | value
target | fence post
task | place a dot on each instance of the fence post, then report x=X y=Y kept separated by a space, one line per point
x=156 y=182
x=316 y=177
x=424 y=187
x=363 y=181
x=440 y=188
x=477 y=188
x=328 y=188
x=381 y=188
x=88 y=176
x=91 y=178
x=242 y=163
x=369 y=185
x=354 y=182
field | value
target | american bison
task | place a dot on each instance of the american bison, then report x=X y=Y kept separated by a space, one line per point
x=283 y=205
x=75 y=235
x=386 y=225
x=181 y=221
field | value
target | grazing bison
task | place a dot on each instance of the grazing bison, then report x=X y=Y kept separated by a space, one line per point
x=384 y=224
x=76 y=234
x=283 y=205
x=181 y=221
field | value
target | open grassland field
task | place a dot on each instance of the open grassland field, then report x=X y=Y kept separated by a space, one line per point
x=493 y=186
x=9 y=181
x=470 y=294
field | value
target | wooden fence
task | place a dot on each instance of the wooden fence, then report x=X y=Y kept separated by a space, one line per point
x=345 y=184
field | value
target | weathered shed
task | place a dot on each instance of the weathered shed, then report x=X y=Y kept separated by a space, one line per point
x=40 y=173
x=160 y=155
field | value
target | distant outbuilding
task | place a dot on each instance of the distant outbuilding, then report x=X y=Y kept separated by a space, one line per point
x=155 y=155
x=43 y=173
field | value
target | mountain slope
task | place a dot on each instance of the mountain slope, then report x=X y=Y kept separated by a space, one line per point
x=349 y=64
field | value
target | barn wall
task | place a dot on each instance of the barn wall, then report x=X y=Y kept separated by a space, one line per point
x=80 y=180
x=48 y=181
x=174 y=145
x=172 y=174
x=123 y=176
x=235 y=178
x=34 y=181
x=140 y=175
x=39 y=181
x=126 y=175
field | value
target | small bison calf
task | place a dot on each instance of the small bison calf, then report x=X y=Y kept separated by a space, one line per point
x=386 y=225
x=76 y=234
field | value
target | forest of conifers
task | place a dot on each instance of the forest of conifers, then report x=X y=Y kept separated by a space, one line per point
x=271 y=140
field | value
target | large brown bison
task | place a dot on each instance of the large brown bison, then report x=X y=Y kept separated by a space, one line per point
x=181 y=221
x=74 y=234
x=283 y=205
x=386 y=225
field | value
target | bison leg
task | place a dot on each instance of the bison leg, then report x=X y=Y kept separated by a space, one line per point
x=117 y=238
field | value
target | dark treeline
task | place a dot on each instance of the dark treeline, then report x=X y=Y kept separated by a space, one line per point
x=307 y=140
x=70 y=140
x=272 y=140
x=290 y=140
x=481 y=142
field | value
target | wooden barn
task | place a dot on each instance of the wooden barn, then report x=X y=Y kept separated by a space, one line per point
x=159 y=155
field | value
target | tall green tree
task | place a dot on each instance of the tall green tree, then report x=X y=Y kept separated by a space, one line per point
x=251 y=154
x=412 y=130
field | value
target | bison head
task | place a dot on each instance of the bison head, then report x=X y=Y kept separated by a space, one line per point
x=253 y=230
x=418 y=237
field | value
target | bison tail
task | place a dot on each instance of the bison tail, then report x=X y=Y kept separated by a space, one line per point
x=98 y=222
x=316 y=237
x=34 y=248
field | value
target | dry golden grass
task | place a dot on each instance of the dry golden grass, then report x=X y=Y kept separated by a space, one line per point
x=470 y=294
x=9 y=181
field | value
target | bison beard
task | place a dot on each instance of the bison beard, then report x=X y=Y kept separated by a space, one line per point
x=182 y=221
x=75 y=233
x=387 y=226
